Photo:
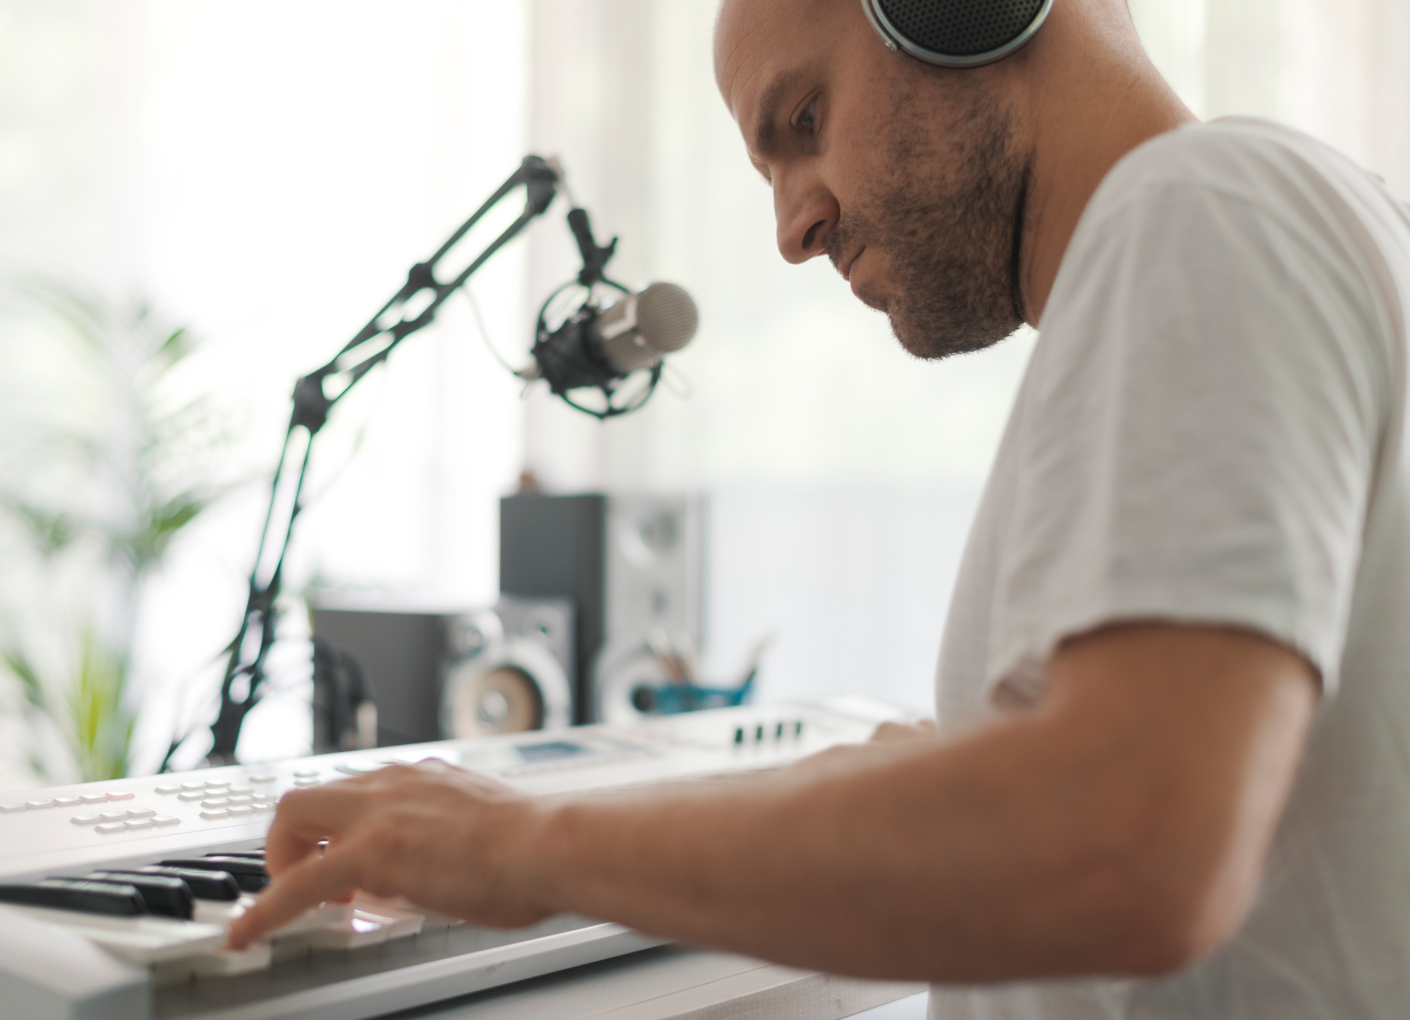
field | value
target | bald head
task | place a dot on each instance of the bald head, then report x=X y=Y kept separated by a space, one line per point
x=923 y=184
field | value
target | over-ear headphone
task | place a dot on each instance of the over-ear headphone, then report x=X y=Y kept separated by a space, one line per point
x=956 y=33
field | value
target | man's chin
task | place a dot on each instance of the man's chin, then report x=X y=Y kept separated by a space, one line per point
x=930 y=342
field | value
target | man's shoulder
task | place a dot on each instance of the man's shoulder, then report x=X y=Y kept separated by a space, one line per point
x=1261 y=162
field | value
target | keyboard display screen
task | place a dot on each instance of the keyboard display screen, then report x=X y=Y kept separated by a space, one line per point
x=551 y=750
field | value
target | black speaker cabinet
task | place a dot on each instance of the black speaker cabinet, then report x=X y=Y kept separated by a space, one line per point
x=459 y=674
x=631 y=564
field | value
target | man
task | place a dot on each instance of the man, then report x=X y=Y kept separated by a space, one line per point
x=1179 y=634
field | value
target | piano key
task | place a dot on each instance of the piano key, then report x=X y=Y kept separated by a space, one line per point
x=204 y=884
x=76 y=895
x=213 y=912
x=143 y=939
x=254 y=855
x=392 y=905
x=398 y=924
x=214 y=963
x=333 y=926
x=249 y=875
x=164 y=895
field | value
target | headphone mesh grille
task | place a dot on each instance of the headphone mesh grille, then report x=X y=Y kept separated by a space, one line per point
x=960 y=28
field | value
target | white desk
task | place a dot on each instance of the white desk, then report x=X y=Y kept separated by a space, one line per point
x=677 y=983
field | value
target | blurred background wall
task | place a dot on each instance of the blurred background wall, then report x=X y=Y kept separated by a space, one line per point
x=267 y=172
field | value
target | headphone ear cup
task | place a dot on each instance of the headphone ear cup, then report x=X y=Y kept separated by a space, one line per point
x=956 y=33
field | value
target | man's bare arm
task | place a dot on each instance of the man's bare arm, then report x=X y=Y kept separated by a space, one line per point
x=1119 y=828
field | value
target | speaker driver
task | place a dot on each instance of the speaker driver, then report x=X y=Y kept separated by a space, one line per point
x=509 y=679
x=957 y=33
x=502 y=699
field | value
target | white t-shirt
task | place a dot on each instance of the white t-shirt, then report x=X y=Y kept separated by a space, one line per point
x=1212 y=430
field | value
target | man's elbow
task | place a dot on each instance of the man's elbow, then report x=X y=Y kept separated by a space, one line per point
x=1168 y=920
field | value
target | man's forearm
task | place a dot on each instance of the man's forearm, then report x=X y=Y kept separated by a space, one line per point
x=907 y=860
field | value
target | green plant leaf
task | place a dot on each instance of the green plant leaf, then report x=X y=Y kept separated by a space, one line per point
x=18 y=663
x=51 y=530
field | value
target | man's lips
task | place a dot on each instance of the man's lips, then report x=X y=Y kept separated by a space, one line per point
x=846 y=267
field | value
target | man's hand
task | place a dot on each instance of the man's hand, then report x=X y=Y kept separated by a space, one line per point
x=442 y=837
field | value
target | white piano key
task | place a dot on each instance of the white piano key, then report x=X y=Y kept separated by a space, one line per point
x=220 y=911
x=142 y=940
x=216 y=963
x=398 y=924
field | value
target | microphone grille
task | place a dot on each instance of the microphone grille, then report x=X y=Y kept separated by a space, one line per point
x=666 y=317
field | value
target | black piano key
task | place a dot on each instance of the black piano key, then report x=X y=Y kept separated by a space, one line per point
x=204 y=885
x=169 y=897
x=75 y=894
x=249 y=875
x=253 y=855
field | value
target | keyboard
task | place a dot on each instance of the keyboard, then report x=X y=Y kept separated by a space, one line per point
x=115 y=896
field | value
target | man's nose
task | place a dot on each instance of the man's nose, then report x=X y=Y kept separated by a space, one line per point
x=806 y=213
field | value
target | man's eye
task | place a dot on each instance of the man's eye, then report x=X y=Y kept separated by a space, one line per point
x=809 y=117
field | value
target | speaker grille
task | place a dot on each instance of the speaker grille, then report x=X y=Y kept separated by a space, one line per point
x=960 y=28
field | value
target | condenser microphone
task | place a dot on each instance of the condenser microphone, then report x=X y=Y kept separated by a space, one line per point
x=595 y=347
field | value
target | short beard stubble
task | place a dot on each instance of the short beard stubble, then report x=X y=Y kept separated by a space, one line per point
x=951 y=223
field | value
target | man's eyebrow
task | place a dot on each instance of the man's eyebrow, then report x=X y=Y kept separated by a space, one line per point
x=765 y=124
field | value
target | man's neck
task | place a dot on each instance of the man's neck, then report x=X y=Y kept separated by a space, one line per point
x=1085 y=121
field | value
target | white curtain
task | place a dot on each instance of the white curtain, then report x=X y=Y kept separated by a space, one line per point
x=844 y=472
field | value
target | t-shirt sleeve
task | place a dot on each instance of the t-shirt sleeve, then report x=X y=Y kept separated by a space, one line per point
x=1200 y=437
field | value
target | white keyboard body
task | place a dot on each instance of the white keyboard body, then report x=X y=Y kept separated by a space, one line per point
x=344 y=963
